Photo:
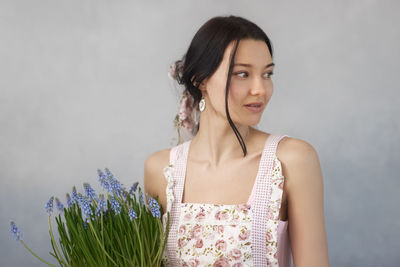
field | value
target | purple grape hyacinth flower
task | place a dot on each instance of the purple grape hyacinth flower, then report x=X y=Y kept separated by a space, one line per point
x=59 y=205
x=85 y=206
x=104 y=181
x=49 y=206
x=141 y=199
x=133 y=188
x=132 y=214
x=101 y=205
x=75 y=197
x=115 y=205
x=154 y=207
x=125 y=194
x=69 y=201
x=89 y=191
x=116 y=186
x=15 y=231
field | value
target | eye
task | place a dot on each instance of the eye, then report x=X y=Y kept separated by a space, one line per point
x=238 y=73
x=270 y=74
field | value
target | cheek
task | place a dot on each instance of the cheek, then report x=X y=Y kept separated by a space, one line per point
x=236 y=95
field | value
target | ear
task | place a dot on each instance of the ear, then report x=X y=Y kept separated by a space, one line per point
x=203 y=85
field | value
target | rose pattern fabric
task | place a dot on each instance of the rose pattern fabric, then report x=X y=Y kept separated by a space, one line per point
x=219 y=235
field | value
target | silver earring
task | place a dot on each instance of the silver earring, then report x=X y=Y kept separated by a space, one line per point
x=202 y=104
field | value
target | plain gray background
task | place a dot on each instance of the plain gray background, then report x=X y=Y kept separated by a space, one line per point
x=84 y=85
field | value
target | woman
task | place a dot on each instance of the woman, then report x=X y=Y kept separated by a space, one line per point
x=234 y=196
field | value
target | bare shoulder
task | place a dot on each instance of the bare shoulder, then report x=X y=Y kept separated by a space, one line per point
x=292 y=150
x=154 y=179
x=305 y=194
x=300 y=163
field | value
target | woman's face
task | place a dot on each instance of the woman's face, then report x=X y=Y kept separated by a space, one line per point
x=250 y=82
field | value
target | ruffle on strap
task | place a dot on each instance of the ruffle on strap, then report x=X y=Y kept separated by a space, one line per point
x=168 y=171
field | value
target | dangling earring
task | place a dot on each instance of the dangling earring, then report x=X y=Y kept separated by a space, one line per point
x=202 y=104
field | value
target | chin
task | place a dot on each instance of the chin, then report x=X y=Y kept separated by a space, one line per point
x=251 y=123
x=254 y=124
x=254 y=121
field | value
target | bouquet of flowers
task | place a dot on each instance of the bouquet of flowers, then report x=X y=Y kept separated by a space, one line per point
x=118 y=228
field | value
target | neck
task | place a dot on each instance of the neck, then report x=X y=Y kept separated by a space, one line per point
x=216 y=141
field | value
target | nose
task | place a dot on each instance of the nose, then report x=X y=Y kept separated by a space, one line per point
x=260 y=86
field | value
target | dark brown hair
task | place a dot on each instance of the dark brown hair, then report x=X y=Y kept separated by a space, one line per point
x=206 y=52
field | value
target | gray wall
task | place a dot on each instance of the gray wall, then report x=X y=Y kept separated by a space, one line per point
x=84 y=86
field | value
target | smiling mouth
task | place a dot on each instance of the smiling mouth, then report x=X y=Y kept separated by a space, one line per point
x=255 y=105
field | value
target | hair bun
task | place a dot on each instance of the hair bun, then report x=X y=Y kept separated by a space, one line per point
x=175 y=71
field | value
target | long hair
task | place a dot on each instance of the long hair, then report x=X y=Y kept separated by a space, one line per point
x=206 y=52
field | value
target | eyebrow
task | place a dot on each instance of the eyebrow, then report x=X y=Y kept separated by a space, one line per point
x=249 y=65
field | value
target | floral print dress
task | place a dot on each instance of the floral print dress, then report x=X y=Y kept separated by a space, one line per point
x=220 y=234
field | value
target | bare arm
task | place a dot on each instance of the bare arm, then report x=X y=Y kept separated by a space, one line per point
x=154 y=179
x=305 y=193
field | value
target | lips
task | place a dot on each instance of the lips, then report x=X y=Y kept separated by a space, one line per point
x=254 y=104
x=255 y=107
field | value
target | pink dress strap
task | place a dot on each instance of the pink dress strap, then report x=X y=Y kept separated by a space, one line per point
x=260 y=208
x=178 y=159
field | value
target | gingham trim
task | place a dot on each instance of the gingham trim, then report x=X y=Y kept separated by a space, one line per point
x=259 y=208
x=178 y=159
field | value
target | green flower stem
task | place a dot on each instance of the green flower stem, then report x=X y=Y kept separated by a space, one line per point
x=102 y=232
x=140 y=244
x=63 y=238
x=158 y=257
x=34 y=254
x=57 y=252
x=101 y=245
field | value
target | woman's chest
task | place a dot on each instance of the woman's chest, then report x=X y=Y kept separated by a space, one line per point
x=229 y=184
x=208 y=234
